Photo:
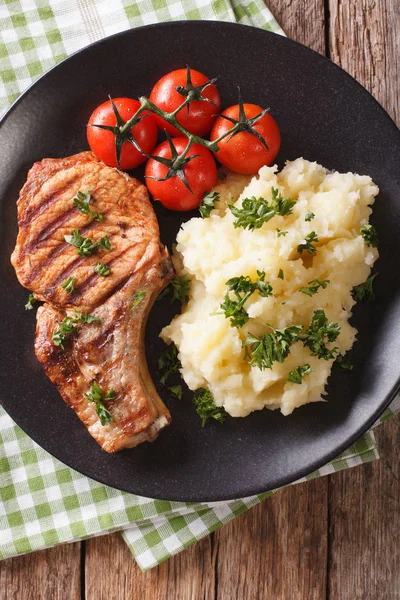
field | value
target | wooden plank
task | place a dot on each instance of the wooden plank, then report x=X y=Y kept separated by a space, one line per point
x=302 y=20
x=365 y=524
x=364 y=39
x=111 y=572
x=364 y=552
x=277 y=550
x=52 y=574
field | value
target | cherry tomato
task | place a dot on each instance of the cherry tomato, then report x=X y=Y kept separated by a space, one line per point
x=102 y=142
x=200 y=116
x=200 y=173
x=244 y=153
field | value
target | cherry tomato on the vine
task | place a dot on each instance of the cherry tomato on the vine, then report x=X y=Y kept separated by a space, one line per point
x=102 y=142
x=244 y=152
x=200 y=115
x=200 y=174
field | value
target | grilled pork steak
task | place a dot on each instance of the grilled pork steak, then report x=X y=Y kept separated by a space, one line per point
x=110 y=351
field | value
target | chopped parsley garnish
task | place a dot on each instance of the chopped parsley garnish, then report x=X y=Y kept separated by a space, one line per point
x=280 y=232
x=86 y=246
x=102 y=270
x=178 y=289
x=296 y=376
x=344 y=362
x=206 y=408
x=313 y=286
x=364 y=291
x=242 y=288
x=96 y=394
x=208 y=204
x=66 y=328
x=309 y=216
x=257 y=211
x=69 y=285
x=168 y=364
x=69 y=326
x=281 y=274
x=176 y=391
x=104 y=243
x=308 y=244
x=137 y=298
x=31 y=302
x=82 y=200
x=369 y=234
x=271 y=347
x=320 y=332
x=86 y=317
x=274 y=346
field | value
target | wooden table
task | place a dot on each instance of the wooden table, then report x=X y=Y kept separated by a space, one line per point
x=335 y=538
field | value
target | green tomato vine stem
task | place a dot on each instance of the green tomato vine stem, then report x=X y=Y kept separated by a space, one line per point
x=148 y=105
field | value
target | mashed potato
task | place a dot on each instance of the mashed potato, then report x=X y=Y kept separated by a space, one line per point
x=210 y=251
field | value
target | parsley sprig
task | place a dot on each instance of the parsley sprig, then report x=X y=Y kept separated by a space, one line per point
x=318 y=334
x=271 y=347
x=137 y=298
x=69 y=285
x=314 y=286
x=82 y=200
x=176 y=391
x=365 y=290
x=96 y=394
x=206 y=408
x=280 y=232
x=208 y=204
x=309 y=216
x=168 y=363
x=307 y=245
x=31 y=302
x=102 y=269
x=86 y=246
x=177 y=289
x=242 y=288
x=344 y=362
x=274 y=346
x=369 y=234
x=296 y=376
x=68 y=326
x=257 y=211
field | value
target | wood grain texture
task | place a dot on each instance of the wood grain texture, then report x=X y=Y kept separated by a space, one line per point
x=364 y=503
x=365 y=525
x=364 y=39
x=301 y=20
x=52 y=574
x=187 y=576
x=278 y=550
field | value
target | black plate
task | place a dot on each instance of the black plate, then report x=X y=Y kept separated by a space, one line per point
x=323 y=115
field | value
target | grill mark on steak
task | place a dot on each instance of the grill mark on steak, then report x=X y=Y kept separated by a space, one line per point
x=63 y=275
x=111 y=350
x=51 y=228
x=51 y=199
x=53 y=254
x=84 y=285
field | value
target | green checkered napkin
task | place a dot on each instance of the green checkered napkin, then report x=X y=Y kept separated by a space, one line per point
x=43 y=502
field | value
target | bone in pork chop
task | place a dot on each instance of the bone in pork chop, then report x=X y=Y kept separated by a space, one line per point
x=110 y=351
